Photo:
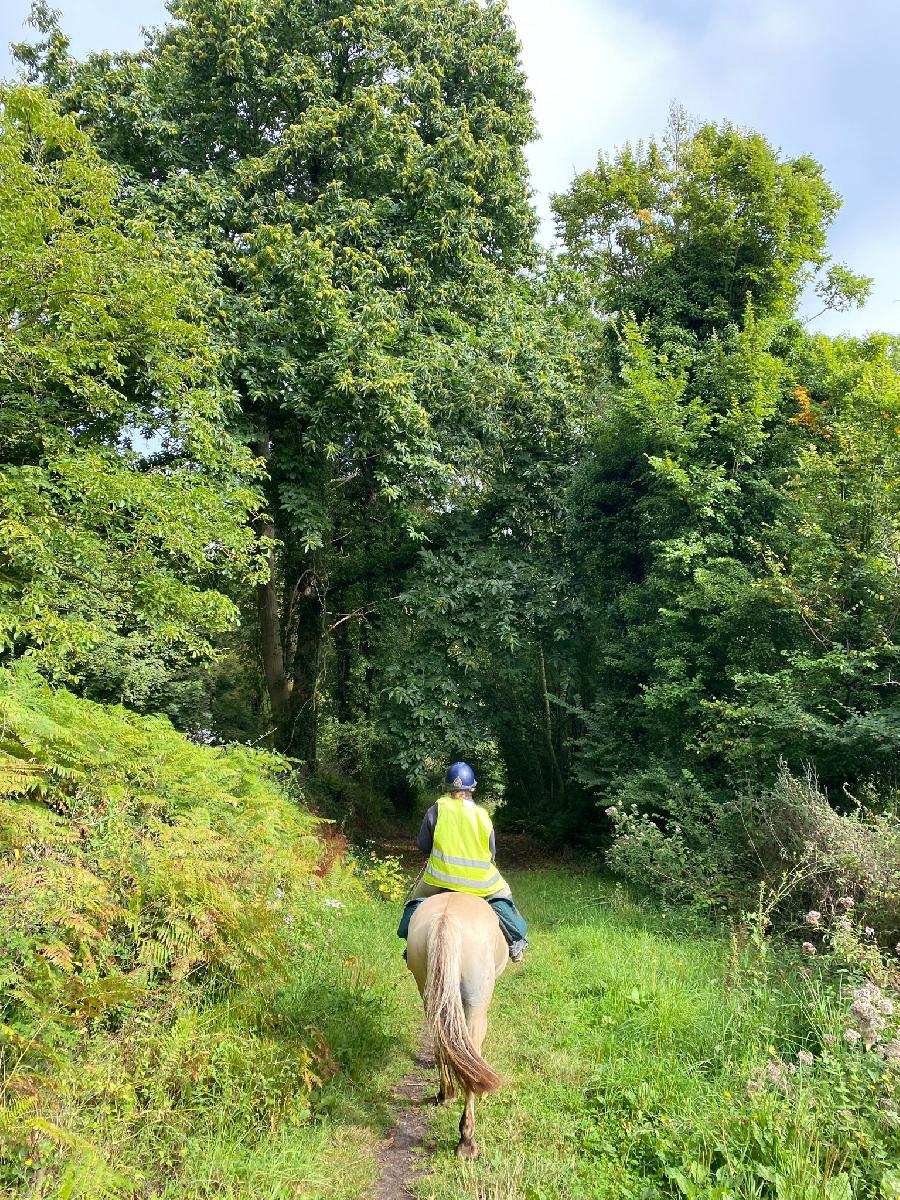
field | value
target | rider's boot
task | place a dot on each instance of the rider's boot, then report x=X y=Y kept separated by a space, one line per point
x=517 y=950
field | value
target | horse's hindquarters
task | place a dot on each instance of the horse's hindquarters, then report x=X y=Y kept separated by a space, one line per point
x=483 y=949
x=455 y=951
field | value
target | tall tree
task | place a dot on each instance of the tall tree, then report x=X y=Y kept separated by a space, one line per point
x=356 y=169
x=684 y=231
x=729 y=546
x=103 y=344
x=476 y=653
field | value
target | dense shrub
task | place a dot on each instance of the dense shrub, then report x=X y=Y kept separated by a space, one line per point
x=154 y=895
x=674 y=838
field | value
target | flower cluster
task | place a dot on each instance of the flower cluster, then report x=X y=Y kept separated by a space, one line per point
x=869 y=1014
x=838 y=927
x=777 y=1073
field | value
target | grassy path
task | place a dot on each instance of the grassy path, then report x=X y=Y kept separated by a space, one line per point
x=626 y=1063
x=607 y=1026
x=613 y=1028
x=400 y=1156
x=352 y=995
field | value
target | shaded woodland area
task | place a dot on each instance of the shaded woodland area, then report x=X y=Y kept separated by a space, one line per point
x=317 y=473
x=316 y=448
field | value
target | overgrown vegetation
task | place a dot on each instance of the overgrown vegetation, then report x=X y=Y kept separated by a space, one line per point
x=306 y=445
x=179 y=981
x=646 y=1057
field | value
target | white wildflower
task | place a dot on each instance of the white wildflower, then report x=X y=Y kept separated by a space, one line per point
x=808 y=948
x=863 y=1010
x=804 y=1058
x=813 y=917
x=852 y=1036
x=868 y=991
x=329 y=903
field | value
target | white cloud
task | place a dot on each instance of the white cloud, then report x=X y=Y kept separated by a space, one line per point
x=814 y=76
x=594 y=70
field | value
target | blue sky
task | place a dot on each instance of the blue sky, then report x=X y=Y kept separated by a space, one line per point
x=814 y=76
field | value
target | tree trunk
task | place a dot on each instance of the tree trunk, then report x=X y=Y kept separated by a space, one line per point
x=290 y=613
x=342 y=667
x=297 y=735
x=548 y=725
x=271 y=645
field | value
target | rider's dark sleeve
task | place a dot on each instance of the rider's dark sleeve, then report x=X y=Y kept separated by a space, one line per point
x=425 y=840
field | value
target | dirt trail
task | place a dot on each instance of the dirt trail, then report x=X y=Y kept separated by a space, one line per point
x=398 y=1155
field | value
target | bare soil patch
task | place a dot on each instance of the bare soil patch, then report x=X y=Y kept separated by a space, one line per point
x=399 y=1155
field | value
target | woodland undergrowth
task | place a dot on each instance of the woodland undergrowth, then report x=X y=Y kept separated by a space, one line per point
x=176 y=993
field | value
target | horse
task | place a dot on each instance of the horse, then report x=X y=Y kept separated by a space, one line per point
x=456 y=951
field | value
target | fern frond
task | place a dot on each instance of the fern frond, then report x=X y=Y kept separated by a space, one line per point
x=61 y=956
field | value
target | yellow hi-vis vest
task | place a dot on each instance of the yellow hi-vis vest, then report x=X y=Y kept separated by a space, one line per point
x=460 y=858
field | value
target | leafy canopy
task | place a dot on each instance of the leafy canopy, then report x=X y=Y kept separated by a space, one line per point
x=103 y=345
x=685 y=231
x=356 y=172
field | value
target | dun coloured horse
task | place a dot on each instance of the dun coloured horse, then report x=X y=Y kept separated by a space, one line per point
x=456 y=951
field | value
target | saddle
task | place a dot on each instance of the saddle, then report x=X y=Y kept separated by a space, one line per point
x=512 y=923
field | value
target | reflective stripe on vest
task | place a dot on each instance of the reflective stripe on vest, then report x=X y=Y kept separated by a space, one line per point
x=460 y=857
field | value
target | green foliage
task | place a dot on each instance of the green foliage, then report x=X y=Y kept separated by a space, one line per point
x=383 y=875
x=732 y=545
x=103 y=340
x=612 y=524
x=469 y=656
x=142 y=879
x=672 y=838
x=640 y=1063
x=356 y=173
x=686 y=231
x=731 y=534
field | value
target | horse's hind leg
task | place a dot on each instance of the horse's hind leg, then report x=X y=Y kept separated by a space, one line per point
x=476 y=1019
x=467 y=1147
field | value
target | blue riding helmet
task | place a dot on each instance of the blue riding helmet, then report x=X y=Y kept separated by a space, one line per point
x=461 y=777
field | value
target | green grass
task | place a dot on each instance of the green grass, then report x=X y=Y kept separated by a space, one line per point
x=626 y=1063
x=352 y=994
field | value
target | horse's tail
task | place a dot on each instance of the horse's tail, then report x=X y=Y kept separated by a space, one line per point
x=444 y=1010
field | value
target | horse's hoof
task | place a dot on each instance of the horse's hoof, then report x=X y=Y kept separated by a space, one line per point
x=466 y=1150
x=440 y=1098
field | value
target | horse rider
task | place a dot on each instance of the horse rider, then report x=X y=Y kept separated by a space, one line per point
x=457 y=838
